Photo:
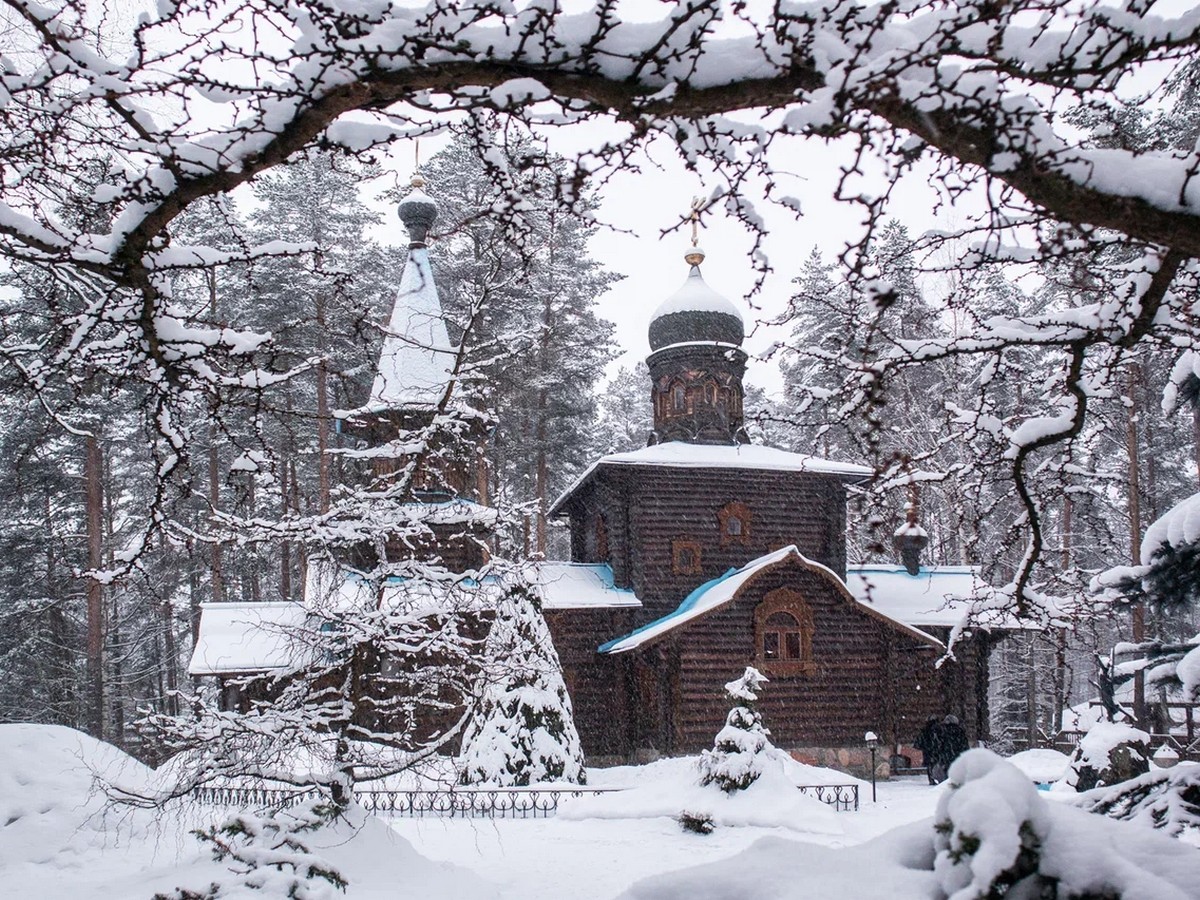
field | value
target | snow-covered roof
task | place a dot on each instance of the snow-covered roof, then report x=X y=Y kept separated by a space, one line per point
x=247 y=637
x=719 y=591
x=694 y=295
x=935 y=596
x=682 y=455
x=1176 y=528
x=329 y=589
x=262 y=637
x=417 y=358
x=565 y=585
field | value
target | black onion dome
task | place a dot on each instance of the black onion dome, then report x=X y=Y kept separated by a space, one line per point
x=418 y=211
x=695 y=314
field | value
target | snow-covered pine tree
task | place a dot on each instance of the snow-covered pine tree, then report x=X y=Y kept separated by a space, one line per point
x=510 y=248
x=743 y=745
x=523 y=731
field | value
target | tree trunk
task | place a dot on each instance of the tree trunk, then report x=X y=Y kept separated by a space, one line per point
x=1135 y=532
x=214 y=500
x=322 y=415
x=214 y=464
x=285 y=547
x=1031 y=688
x=93 y=479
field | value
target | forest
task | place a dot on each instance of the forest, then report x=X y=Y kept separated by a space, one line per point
x=200 y=256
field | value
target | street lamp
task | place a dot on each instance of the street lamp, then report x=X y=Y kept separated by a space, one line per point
x=872 y=740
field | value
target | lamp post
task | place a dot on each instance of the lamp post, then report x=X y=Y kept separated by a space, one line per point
x=872 y=740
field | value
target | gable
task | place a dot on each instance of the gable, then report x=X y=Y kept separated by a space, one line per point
x=776 y=568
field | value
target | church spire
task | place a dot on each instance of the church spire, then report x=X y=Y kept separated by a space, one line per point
x=417 y=357
x=697 y=362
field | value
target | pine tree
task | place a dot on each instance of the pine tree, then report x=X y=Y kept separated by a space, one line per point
x=540 y=345
x=522 y=732
x=743 y=745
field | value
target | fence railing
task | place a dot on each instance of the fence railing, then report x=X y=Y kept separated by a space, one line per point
x=463 y=802
x=842 y=797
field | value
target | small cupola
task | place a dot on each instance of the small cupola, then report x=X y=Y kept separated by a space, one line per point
x=418 y=211
x=697 y=364
x=910 y=539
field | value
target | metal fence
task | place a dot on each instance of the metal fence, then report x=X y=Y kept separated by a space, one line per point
x=842 y=797
x=462 y=802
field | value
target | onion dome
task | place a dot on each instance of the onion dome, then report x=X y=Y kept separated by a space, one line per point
x=696 y=313
x=418 y=211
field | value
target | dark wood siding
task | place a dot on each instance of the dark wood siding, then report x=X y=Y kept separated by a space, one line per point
x=596 y=682
x=673 y=503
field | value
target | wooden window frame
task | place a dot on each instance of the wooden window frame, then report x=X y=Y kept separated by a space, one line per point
x=741 y=512
x=788 y=601
x=678 y=546
x=678 y=390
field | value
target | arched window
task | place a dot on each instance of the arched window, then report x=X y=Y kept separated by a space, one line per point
x=710 y=394
x=679 y=398
x=781 y=637
x=734 y=519
x=784 y=631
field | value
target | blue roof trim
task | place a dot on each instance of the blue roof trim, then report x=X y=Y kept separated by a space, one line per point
x=688 y=602
x=604 y=572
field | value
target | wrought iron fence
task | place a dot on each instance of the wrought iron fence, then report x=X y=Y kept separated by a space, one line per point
x=480 y=803
x=842 y=797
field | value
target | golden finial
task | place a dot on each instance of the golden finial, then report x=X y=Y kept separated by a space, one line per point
x=695 y=256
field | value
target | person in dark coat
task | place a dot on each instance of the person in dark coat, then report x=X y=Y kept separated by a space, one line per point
x=951 y=742
x=926 y=742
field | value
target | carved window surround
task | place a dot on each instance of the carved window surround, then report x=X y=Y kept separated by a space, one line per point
x=685 y=557
x=783 y=634
x=734 y=519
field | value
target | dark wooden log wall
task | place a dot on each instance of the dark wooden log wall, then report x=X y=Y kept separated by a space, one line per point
x=647 y=507
x=596 y=682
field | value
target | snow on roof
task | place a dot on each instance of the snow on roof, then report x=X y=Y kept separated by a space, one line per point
x=565 y=585
x=719 y=591
x=937 y=596
x=417 y=356
x=1177 y=528
x=678 y=454
x=262 y=637
x=694 y=295
x=247 y=637
x=333 y=591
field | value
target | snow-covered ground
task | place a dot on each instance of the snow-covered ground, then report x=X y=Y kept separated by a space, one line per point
x=58 y=839
x=598 y=858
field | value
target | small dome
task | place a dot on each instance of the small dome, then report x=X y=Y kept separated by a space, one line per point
x=695 y=314
x=418 y=211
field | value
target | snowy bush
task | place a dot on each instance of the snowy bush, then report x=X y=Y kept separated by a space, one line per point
x=1108 y=754
x=995 y=836
x=1167 y=799
x=523 y=732
x=743 y=745
x=699 y=823
x=266 y=855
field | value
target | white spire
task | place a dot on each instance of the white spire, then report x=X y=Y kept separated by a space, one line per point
x=417 y=358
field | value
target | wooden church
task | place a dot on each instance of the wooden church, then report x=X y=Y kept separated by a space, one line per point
x=702 y=554
x=692 y=558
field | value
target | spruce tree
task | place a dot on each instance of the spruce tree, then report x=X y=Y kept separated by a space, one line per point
x=743 y=745
x=522 y=732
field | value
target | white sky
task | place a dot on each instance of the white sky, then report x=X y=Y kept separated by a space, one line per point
x=639 y=207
